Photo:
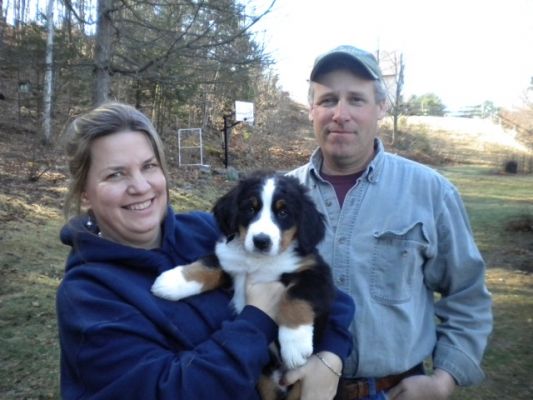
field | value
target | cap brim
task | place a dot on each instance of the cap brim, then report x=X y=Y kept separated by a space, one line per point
x=339 y=60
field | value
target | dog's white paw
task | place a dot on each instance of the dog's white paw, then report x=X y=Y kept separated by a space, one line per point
x=172 y=285
x=296 y=345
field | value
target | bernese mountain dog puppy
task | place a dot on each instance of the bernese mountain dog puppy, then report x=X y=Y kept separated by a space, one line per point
x=270 y=228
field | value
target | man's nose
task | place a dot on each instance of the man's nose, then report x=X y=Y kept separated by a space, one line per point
x=341 y=112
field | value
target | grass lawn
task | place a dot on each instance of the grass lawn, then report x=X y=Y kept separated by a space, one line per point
x=31 y=264
x=500 y=207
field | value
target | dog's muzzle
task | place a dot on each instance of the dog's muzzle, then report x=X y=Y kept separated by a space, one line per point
x=262 y=242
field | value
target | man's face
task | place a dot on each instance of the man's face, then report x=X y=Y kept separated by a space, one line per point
x=345 y=119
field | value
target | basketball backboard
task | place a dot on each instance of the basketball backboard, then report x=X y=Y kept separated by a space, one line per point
x=244 y=112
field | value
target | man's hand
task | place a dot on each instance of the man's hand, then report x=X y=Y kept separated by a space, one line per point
x=438 y=386
x=318 y=382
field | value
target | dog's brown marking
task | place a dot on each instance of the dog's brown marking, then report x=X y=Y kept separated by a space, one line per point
x=267 y=388
x=306 y=262
x=295 y=312
x=296 y=391
x=242 y=232
x=209 y=277
x=287 y=237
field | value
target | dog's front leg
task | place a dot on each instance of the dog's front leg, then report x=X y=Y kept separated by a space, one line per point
x=296 y=328
x=187 y=280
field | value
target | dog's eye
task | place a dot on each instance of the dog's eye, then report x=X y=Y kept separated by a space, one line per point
x=282 y=212
x=250 y=210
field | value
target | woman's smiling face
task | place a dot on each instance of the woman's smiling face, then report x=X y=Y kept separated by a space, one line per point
x=126 y=189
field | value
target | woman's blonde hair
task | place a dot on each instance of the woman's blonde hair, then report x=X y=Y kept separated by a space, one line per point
x=106 y=119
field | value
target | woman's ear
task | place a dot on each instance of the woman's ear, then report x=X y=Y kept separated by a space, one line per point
x=85 y=203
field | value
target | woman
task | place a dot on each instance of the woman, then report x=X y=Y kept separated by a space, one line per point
x=117 y=339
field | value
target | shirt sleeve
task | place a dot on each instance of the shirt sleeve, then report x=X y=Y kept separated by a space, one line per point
x=457 y=272
x=337 y=337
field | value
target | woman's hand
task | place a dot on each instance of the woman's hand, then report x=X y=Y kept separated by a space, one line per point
x=318 y=381
x=438 y=386
x=265 y=296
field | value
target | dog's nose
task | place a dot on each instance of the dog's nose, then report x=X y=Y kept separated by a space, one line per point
x=262 y=242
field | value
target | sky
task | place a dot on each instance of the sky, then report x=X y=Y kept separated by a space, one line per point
x=464 y=51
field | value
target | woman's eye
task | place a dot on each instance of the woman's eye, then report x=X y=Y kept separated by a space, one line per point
x=151 y=165
x=115 y=175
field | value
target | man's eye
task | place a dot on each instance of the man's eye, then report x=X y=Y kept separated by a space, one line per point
x=357 y=100
x=328 y=102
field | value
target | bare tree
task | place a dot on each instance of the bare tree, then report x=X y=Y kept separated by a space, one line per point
x=174 y=42
x=393 y=67
x=102 y=51
x=47 y=92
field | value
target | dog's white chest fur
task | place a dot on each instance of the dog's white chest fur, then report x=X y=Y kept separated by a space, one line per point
x=254 y=267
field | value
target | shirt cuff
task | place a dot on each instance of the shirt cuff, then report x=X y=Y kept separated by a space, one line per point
x=462 y=367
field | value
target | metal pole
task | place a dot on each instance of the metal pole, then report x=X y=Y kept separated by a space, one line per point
x=226 y=127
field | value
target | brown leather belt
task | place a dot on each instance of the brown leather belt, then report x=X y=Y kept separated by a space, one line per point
x=358 y=388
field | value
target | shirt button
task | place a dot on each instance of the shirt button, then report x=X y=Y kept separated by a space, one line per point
x=341 y=279
x=328 y=203
x=342 y=240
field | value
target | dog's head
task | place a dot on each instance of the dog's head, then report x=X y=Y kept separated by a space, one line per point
x=269 y=212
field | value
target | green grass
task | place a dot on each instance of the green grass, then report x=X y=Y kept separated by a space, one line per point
x=31 y=265
x=493 y=201
x=32 y=258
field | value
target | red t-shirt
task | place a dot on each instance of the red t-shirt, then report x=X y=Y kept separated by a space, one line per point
x=342 y=183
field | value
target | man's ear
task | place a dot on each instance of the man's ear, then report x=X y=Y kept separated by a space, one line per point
x=383 y=108
x=310 y=113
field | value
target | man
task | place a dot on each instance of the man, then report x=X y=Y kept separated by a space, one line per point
x=397 y=234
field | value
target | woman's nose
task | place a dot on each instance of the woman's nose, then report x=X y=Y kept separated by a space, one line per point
x=138 y=184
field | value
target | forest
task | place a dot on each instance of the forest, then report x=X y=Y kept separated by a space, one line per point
x=182 y=62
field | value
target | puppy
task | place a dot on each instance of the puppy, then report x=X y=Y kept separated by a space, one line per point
x=270 y=232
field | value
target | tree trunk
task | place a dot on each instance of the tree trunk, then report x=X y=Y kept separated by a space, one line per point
x=47 y=93
x=102 y=54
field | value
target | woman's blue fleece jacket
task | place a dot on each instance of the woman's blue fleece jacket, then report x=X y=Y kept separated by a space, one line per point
x=118 y=341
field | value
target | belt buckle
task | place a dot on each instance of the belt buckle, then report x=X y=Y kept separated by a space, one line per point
x=355 y=389
x=362 y=388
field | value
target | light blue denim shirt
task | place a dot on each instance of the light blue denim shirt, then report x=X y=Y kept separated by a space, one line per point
x=401 y=236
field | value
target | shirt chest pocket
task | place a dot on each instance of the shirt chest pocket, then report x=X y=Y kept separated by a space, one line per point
x=397 y=261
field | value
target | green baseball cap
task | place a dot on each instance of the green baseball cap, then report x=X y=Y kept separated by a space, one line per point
x=346 y=57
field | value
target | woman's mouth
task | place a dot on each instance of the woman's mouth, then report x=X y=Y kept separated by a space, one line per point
x=139 y=206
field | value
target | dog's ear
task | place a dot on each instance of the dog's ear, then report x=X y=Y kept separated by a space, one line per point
x=312 y=225
x=225 y=211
